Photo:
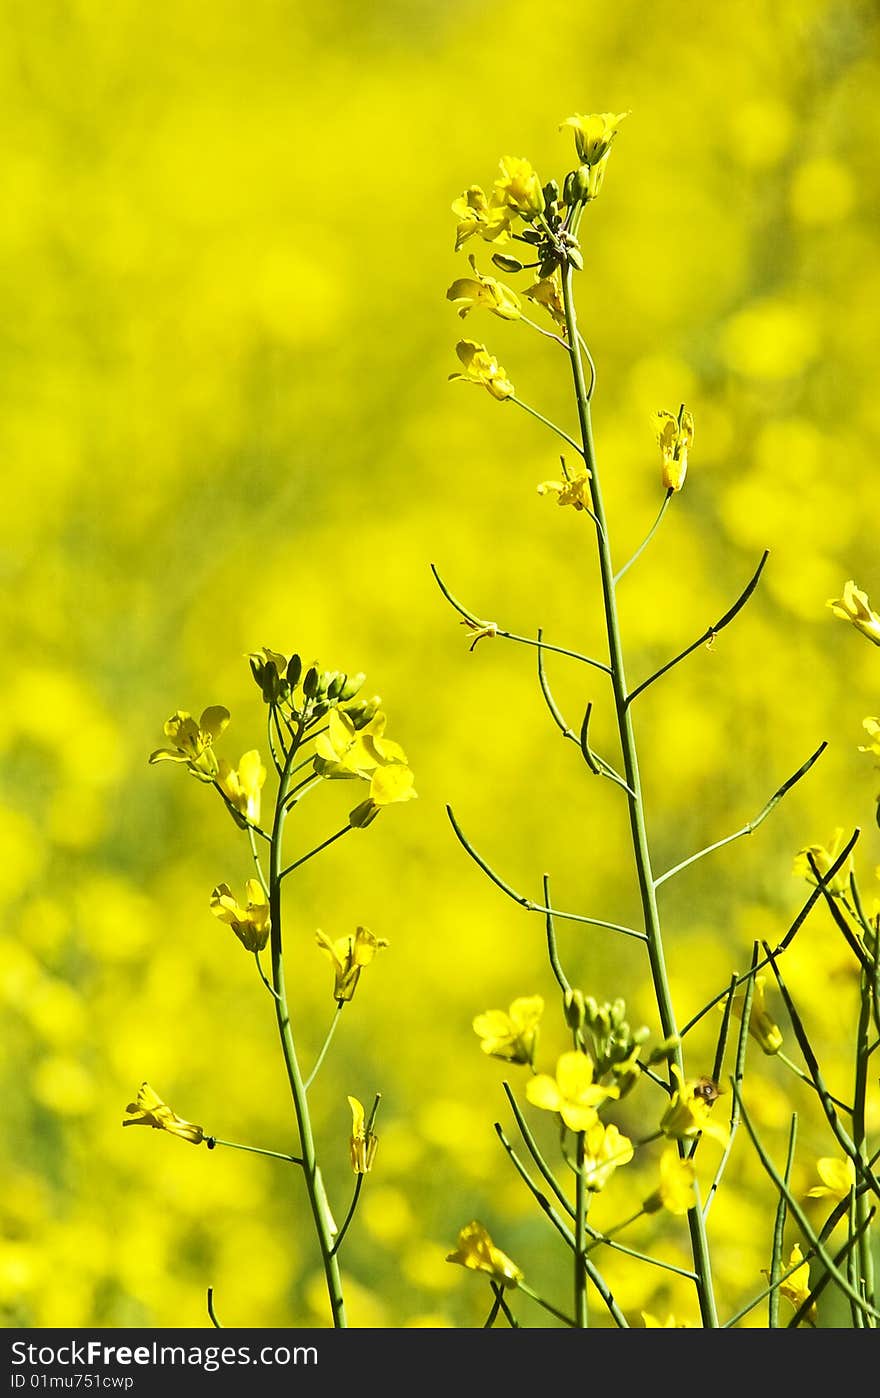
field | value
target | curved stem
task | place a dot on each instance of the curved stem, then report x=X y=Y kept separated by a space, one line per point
x=638 y=828
x=647 y=539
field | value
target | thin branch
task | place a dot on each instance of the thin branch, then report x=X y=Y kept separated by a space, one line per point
x=510 y=635
x=527 y=902
x=211 y=1312
x=317 y=850
x=648 y=537
x=751 y=825
x=324 y=1047
x=708 y=635
x=547 y=423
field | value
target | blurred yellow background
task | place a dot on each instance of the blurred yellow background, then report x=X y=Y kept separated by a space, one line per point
x=225 y=423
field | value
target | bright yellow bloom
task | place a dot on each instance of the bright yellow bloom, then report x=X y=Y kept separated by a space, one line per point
x=796 y=1288
x=688 y=1112
x=481 y=367
x=242 y=785
x=572 y=1093
x=193 y=742
x=389 y=784
x=349 y=956
x=476 y=214
x=823 y=859
x=762 y=1025
x=345 y=751
x=574 y=490
x=363 y=1143
x=593 y=135
x=519 y=187
x=854 y=606
x=512 y=1036
x=675 y=436
x=675 y=1192
x=547 y=292
x=605 y=1148
x=149 y=1110
x=478 y=1253
x=468 y=292
x=838 y=1178
x=251 y=924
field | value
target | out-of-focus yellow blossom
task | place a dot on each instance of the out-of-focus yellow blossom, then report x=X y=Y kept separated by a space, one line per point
x=574 y=490
x=478 y=1253
x=872 y=728
x=481 y=367
x=349 y=956
x=688 y=1112
x=670 y=1323
x=148 y=1109
x=823 y=859
x=572 y=1093
x=854 y=606
x=363 y=1142
x=518 y=187
x=512 y=1036
x=194 y=742
x=675 y=436
x=468 y=292
x=796 y=1287
x=762 y=1025
x=242 y=785
x=605 y=1148
x=593 y=135
x=675 y=1192
x=251 y=924
x=477 y=214
x=837 y=1175
x=547 y=292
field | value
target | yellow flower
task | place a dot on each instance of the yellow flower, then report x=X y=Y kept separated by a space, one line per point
x=796 y=1287
x=675 y=436
x=675 y=1193
x=468 y=292
x=512 y=1036
x=854 y=606
x=149 y=1110
x=345 y=751
x=823 y=859
x=547 y=292
x=389 y=784
x=762 y=1025
x=193 y=742
x=476 y=214
x=250 y=924
x=688 y=1111
x=519 y=187
x=242 y=785
x=363 y=1142
x=481 y=367
x=349 y=956
x=593 y=135
x=478 y=1253
x=574 y=490
x=838 y=1178
x=572 y=1093
x=604 y=1149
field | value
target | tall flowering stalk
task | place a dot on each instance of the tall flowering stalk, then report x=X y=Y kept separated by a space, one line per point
x=317 y=730
x=535 y=227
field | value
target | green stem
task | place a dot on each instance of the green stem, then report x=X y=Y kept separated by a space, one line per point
x=699 y=1243
x=254 y=1150
x=860 y=1206
x=581 y=1313
x=647 y=539
x=324 y=1225
x=547 y=423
